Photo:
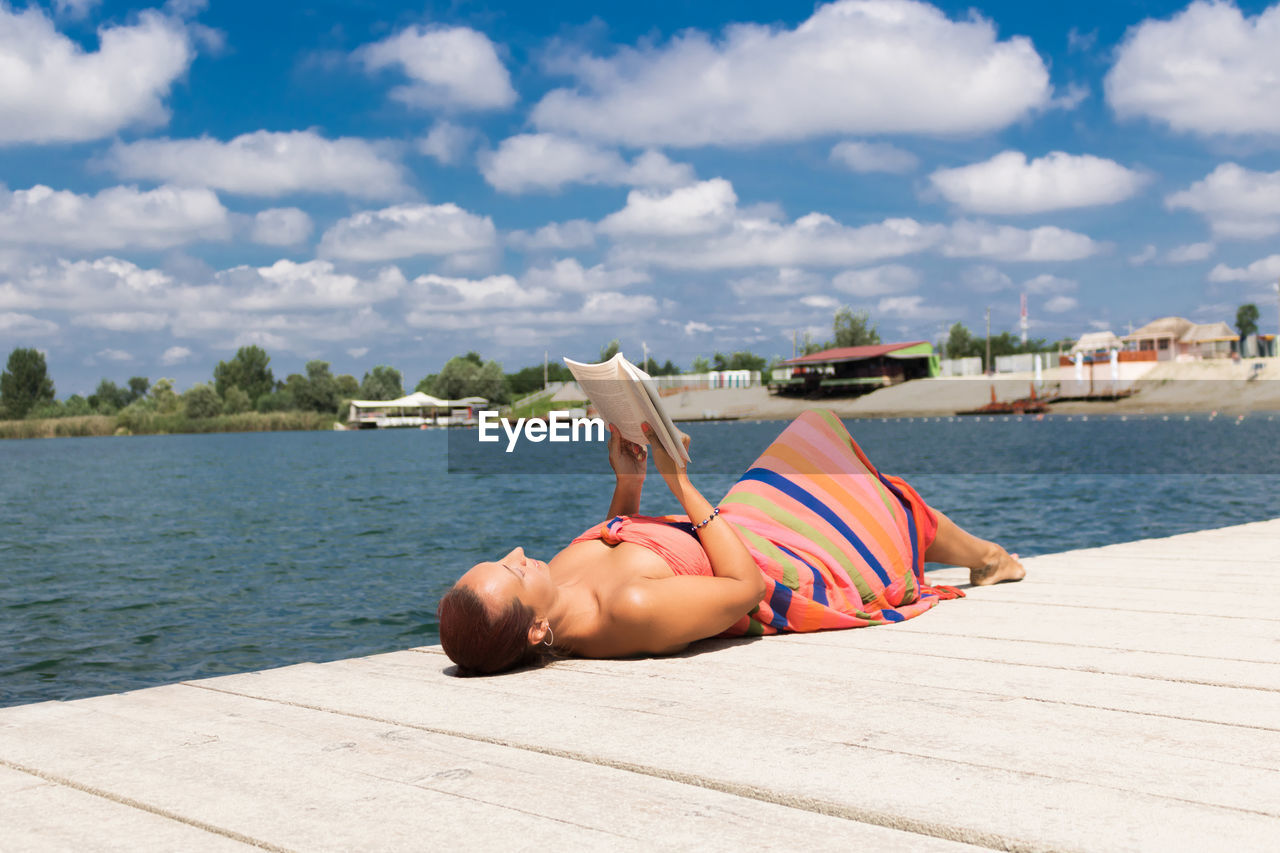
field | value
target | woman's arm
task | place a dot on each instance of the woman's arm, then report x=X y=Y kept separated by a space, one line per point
x=628 y=463
x=666 y=615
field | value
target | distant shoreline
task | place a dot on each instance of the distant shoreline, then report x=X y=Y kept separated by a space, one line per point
x=89 y=426
x=1198 y=387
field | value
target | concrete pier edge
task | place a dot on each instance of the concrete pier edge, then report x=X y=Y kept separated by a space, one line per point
x=1121 y=698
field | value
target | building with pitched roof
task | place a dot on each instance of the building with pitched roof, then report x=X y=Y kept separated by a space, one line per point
x=1179 y=339
x=855 y=370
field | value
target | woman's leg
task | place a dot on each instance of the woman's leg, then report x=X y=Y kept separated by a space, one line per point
x=987 y=562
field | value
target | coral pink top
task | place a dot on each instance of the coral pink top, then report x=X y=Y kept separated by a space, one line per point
x=669 y=536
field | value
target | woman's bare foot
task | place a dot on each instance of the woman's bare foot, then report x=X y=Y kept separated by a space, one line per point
x=999 y=566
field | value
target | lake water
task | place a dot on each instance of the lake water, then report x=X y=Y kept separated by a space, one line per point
x=130 y=562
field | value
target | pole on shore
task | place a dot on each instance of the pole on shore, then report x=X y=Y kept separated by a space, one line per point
x=644 y=365
x=987 y=367
x=545 y=354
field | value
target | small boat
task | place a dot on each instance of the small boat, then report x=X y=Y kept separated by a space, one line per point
x=1023 y=406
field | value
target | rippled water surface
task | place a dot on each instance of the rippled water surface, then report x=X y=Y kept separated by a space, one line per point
x=130 y=562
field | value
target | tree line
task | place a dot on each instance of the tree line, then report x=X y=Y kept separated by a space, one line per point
x=246 y=383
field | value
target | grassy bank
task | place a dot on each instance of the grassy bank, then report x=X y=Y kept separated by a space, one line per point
x=59 y=427
x=159 y=424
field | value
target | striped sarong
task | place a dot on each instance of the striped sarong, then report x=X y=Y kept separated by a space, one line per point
x=841 y=545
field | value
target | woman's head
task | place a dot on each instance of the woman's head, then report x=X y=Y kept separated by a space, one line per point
x=488 y=620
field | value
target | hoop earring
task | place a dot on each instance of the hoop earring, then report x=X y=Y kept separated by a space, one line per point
x=552 y=640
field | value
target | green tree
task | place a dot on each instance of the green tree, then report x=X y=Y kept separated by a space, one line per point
x=348 y=387
x=279 y=400
x=248 y=370
x=25 y=383
x=426 y=383
x=236 y=401
x=700 y=365
x=1247 y=320
x=382 y=383
x=109 y=398
x=526 y=380
x=315 y=392
x=462 y=377
x=201 y=401
x=960 y=342
x=138 y=387
x=163 y=397
x=738 y=361
x=609 y=350
x=77 y=405
x=854 y=328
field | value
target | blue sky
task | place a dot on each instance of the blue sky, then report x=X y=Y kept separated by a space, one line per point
x=396 y=183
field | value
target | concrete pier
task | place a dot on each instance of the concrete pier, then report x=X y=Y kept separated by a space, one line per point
x=1120 y=698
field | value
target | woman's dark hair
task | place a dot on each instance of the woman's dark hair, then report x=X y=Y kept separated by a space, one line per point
x=482 y=643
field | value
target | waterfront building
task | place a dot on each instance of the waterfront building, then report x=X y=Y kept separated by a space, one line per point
x=855 y=370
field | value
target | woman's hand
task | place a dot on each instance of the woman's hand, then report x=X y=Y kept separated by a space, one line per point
x=672 y=474
x=628 y=462
x=625 y=457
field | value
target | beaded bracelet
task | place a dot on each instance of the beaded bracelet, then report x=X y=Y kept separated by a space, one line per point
x=707 y=520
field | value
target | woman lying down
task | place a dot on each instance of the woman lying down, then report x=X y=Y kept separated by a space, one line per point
x=811 y=538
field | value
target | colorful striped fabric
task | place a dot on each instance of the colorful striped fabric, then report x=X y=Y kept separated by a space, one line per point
x=841 y=545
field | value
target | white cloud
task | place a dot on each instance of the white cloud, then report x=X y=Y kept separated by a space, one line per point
x=281 y=226
x=1190 y=252
x=574 y=234
x=874 y=157
x=813 y=240
x=828 y=75
x=1007 y=183
x=546 y=162
x=264 y=163
x=408 y=230
x=696 y=327
x=357 y=352
x=1264 y=270
x=908 y=308
x=25 y=324
x=447 y=67
x=175 y=355
x=1207 y=70
x=877 y=281
x=288 y=285
x=123 y=321
x=286 y=304
x=1237 y=202
x=1059 y=304
x=968 y=239
x=818 y=300
x=114 y=218
x=1046 y=283
x=698 y=209
x=446 y=142
x=568 y=274
x=52 y=90
x=786 y=282
x=115 y=355
x=435 y=299
x=1145 y=256
x=985 y=279
x=701 y=227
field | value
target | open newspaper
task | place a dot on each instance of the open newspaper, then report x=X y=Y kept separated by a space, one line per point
x=625 y=396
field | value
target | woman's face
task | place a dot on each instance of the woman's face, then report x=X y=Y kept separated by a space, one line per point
x=513 y=576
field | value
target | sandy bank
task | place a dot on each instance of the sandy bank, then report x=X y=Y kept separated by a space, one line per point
x=1193 y=387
